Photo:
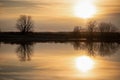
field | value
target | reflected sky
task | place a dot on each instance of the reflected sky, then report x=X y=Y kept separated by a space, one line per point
x=58 y=59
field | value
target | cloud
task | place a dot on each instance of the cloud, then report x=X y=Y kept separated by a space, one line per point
x=117 y=6
x=14 y=3
x=23 y=3
x=110 y=5
x=114 y=13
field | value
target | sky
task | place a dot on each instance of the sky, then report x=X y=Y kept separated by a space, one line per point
x=55 y=15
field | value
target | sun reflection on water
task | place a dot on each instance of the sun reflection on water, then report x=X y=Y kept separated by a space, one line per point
x=84 y=63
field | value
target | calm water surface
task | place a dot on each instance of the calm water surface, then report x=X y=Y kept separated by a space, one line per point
x=59 y=61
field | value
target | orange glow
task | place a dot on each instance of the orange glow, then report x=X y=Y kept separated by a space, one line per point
x=84 y=63
x=85 y=9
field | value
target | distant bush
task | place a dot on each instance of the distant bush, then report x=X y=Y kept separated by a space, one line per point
x=76 y=29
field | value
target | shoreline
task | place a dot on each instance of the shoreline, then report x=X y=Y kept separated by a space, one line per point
x=17 y=37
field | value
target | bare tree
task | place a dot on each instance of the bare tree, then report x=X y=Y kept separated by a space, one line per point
x=91 y=26
x=107 y=27
x=24 y=24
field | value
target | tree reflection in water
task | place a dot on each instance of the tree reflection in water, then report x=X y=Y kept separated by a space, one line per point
x=24 y=51
x=108 y=48
x=97 y=48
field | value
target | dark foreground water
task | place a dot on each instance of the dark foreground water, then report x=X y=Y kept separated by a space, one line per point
x=60 y=61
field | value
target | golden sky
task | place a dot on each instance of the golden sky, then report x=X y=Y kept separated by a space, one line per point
x=56 y=12
x=54 y=7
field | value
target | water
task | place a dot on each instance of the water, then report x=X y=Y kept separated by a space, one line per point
x=60 y=61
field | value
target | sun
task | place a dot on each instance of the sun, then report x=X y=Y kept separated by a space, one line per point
x=84 y=9
x=84 y=63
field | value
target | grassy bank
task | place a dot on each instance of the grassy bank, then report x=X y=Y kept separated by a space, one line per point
x=59 y=36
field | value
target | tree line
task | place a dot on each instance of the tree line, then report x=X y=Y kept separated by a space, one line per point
x=93 y=26
x=25 y=24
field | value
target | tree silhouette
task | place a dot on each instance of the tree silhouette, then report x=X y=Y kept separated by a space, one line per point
x=24 y=24
x=107 y=27
x=91 y=26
